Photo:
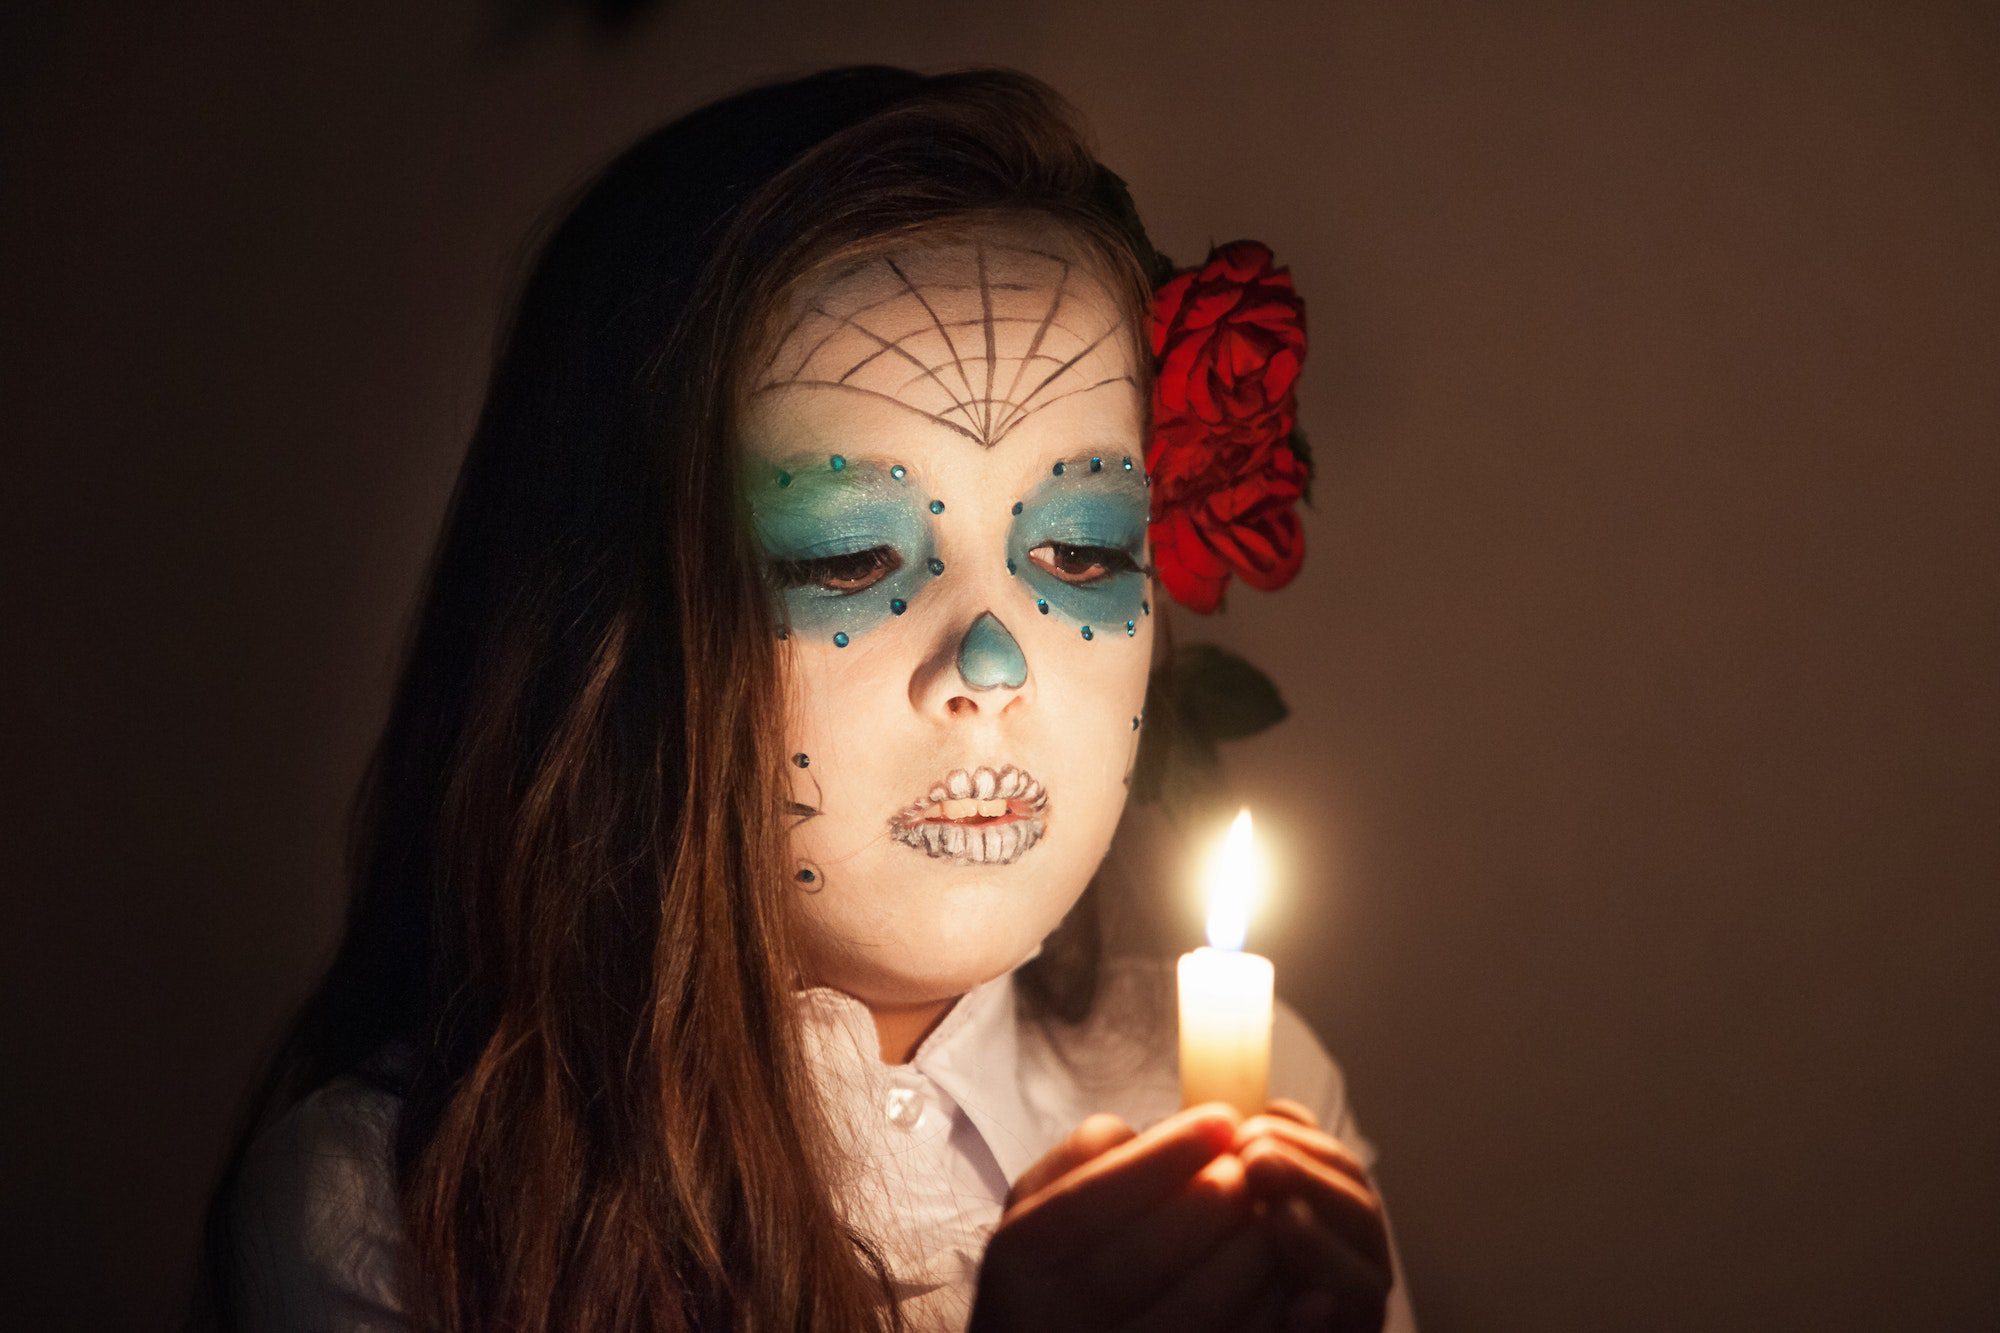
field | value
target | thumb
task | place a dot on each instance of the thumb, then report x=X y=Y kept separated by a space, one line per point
x=1098 y=1134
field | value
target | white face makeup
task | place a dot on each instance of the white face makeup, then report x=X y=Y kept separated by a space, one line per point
x=944 y=467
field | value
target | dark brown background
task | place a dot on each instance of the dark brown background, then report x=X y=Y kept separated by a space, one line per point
x=1641 y=798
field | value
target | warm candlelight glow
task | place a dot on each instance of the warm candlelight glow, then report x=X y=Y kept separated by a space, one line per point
x=1225 y=993
x=1235 y=885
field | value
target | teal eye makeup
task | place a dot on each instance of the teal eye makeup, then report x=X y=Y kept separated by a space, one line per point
x=1079 y=540
x=847 y=544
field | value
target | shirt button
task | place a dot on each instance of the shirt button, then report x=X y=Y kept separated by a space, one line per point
x=904 y=1107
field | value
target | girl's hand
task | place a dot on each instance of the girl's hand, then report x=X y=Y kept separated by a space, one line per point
x=1324 y=1219
x=1140 y=1232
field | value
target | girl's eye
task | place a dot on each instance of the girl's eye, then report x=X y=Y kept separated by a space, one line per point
x=853 y=572
x=1082 y=564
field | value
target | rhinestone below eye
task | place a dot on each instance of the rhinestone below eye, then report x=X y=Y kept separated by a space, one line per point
x=784 y=479
x=1042 y=605
x=1017 y=506
x=840 y=639
x=802 y=760
x=1059 y=469
x=1131 y=628
x=937 y=506
x=937 y=565
x=1097 y=465
x=837 y=462
x=1087 y=634
x=897 y=606
x=898 y=472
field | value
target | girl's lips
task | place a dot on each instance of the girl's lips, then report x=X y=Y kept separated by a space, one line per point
x=985 y=814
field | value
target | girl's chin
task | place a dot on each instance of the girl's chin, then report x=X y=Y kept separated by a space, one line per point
x=924 y=966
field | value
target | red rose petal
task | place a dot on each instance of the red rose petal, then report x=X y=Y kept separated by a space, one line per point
x=1192 y=572
x=1167 y=299
x=1210 y=305
x=1228 y=341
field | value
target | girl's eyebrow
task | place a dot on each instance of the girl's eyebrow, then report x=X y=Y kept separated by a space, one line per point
x=1108 y=464
x=823 y=468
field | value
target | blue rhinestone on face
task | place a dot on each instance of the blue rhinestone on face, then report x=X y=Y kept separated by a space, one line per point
x=840 y=639
x=1017 y=506
x=1135 y=724
x=1059 y=469
x=897 y=606
x=898 y=472
x=1087 y=634
x=937 y=565
x=784 y=478
x=803 y=761
x=1146 y=608
x=1131 y=628
x=1010 y=564
x=937 y=506
x=1128 y=465
x=1097 y=465
x=1042 y=605
x=806 y=876
x=837 y=462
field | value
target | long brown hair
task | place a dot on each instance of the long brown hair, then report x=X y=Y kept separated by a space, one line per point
x=568 y=895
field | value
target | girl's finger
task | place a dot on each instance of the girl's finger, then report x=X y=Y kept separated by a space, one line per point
x=1222 y=1291
x=1292 y=1110
x=1311 y=1312
x=1096 y=1135
x=1276 y=1171
x=1110 y=1190
x=1131 y=1268
x=1314 y=1259
x=1312 y=1142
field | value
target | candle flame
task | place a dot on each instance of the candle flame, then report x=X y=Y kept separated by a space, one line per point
x=1235 y=883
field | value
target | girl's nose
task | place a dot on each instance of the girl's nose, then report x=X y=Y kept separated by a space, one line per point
x=988 y=656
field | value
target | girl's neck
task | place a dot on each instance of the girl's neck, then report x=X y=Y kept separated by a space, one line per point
x=902 y=1028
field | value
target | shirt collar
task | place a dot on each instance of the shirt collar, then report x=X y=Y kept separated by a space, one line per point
x=973 y=1055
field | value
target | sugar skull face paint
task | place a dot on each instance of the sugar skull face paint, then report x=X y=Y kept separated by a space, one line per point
x=848 y=547
x=1080 y=542
x=969 y=740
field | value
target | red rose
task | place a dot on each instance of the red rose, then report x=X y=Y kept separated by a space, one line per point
x=1228 y=339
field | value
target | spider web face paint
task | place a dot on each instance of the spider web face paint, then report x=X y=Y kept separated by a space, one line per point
x=963 y=354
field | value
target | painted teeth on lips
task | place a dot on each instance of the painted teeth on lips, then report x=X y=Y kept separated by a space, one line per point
x=975 y=816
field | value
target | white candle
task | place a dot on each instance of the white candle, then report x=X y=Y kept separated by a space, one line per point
x=1225 y=993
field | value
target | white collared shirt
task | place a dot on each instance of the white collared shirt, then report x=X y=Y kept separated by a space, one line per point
x=935 y=1144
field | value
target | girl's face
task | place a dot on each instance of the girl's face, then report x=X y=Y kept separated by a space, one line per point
x=944 y=468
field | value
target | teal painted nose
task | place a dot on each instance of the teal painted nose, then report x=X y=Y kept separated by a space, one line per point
x=988 y=657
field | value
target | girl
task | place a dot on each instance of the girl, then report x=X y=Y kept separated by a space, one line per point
x=724 y=950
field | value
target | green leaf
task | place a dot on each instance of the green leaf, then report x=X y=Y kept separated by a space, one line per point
x=1222 y=696
x=1201 y=696
x=1304 y=451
